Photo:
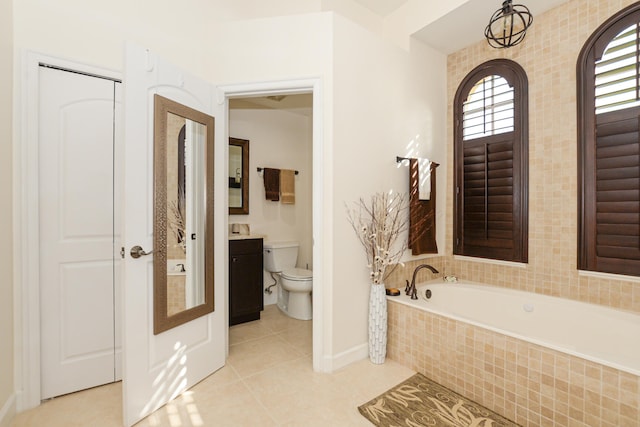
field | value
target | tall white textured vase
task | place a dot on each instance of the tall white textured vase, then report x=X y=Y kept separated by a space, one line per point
x=377 y=324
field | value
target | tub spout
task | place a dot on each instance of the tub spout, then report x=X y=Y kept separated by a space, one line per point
x=410 y=289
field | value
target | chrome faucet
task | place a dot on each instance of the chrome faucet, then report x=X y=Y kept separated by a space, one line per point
x=410 y=289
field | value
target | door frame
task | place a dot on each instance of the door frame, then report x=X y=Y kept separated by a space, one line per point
x=291 y=87
x=26 y=223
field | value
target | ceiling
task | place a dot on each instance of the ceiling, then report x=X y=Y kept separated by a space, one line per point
x=297 y=103
x=381 y=7
x=462 y=26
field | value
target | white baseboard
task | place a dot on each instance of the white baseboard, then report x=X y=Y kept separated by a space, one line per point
x=340 y=360
x=8 y=411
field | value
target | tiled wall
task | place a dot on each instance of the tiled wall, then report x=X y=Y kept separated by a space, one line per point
x=548 y=55
x=403 y=272
x=176 y=298
x=529 y=384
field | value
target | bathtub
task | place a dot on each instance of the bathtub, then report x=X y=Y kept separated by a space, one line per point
x=535 y=359
x=600 y=334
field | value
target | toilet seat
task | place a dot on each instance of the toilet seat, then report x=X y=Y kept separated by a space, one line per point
x=297 y=274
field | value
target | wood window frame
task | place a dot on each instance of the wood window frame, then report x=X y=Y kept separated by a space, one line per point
x=592 y=50
x=517 y=78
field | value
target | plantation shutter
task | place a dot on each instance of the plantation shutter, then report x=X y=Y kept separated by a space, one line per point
x=609 y=147
x=490 y=163
x=617 y=192
x=489 y=227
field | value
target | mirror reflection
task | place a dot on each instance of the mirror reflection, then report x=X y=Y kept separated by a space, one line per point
x=183 y=270
x=185 y=214
x=238 y=176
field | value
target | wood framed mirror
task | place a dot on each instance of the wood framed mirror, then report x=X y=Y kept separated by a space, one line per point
x=183 y=214
x=238 y=176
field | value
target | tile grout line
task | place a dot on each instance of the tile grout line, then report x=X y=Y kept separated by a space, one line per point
x=277 y=334
x=253 y=339
x=299 y=354
x=235 y=371
x=255 y=396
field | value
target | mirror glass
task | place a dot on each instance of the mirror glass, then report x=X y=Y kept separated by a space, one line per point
x=238 y=176
x=183 y=214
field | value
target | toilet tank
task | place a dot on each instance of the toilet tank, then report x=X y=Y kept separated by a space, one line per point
x=279 y=256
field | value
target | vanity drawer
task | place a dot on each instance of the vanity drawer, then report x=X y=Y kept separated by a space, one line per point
x=245 y=246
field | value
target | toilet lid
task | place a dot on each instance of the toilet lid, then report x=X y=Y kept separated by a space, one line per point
x=297 y=274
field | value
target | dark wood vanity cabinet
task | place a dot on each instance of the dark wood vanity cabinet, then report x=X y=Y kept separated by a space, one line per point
x=245 y=280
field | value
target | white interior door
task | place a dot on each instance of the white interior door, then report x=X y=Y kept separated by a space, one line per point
x=79 y=237
x=159 y=367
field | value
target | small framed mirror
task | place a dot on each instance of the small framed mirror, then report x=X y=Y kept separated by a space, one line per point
x=238 y=176
x=183 y=214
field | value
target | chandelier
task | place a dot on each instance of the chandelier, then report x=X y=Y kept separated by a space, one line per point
x=508 y=25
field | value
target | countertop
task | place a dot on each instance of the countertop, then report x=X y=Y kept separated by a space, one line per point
x=246 y=236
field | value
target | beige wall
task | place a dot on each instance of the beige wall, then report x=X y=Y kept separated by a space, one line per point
x=548 y=55
x=388 y=102
x=6 y=249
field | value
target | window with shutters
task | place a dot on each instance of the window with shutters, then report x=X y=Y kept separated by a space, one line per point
x=491 y=163
x=608 y=79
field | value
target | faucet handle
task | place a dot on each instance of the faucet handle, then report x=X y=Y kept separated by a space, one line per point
x=407 y=288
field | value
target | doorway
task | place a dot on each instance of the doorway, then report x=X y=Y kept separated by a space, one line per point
x=278 y=131
x=291 y=87
x=79 y=145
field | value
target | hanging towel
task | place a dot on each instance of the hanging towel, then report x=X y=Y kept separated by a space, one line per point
x=272 y=184
x=424 y=177
x=287 y=186
x=422 y=213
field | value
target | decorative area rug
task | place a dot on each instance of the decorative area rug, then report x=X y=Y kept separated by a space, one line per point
x=419 y=402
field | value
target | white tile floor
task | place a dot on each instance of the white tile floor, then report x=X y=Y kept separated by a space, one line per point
x=268 y=381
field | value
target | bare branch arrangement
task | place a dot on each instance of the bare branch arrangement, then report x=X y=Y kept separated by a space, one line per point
x=177 y=222
x=378 y=223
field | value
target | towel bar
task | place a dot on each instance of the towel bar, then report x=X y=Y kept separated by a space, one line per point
x=260 y=170
x=400 y=159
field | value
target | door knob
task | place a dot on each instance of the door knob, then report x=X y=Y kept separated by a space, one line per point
x=137 y=251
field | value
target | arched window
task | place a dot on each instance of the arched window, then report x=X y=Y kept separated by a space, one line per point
x=491 y=163
x=608 y=89
x=488 y=109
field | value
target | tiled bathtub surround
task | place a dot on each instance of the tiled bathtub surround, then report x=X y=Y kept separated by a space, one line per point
x=529 y=384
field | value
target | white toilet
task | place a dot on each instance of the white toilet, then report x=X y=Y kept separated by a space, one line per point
x=294 y=292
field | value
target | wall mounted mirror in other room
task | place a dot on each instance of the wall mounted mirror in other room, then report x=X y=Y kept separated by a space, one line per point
x=183 y=214
x=238 y=176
